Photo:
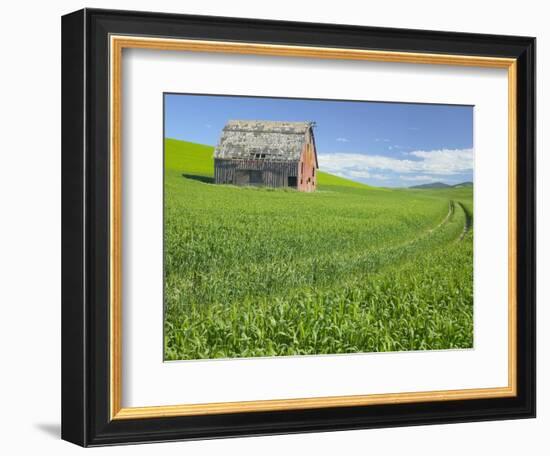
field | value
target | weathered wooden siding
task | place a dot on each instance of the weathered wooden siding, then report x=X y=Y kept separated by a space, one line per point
x=238 y=172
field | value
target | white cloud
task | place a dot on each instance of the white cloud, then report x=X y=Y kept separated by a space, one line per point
x=443 y=162
x=396 y=147
x=362 y=174
x=345 y=140
x=381 y=139
x=380 y=176
x=446 y=161
x=419 y=178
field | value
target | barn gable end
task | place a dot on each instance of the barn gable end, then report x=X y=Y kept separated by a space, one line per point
x=266 y=153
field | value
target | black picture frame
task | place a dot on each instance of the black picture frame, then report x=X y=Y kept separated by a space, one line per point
x=85 y=227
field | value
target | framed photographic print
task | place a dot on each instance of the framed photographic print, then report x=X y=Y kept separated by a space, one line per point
x=279 y=227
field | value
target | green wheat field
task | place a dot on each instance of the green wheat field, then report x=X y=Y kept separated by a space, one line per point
x=253 y=272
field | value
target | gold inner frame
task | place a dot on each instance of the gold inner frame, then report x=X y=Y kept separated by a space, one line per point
x=117 y=44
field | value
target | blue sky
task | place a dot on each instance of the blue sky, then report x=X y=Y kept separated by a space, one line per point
x=382 y=144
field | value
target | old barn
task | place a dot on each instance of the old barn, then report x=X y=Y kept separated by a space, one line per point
x=267 y=153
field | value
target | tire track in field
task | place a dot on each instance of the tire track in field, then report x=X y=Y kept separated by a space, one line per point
x=446 y=219
x=395 y=253
x=426 y=234
x=429 y=231
x=405 y=250
x=467 y=221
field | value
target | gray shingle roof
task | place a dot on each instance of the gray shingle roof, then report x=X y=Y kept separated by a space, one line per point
x=270 y=140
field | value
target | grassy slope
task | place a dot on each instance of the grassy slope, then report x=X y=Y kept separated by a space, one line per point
x=260 y=272
x=197 y=159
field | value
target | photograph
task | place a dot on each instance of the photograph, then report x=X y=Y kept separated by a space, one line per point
x=316 y=226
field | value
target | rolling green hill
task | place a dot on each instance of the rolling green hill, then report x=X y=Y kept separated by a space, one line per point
x=349 y=268
x=198 y=159
x=464 y=184
x=443 y=185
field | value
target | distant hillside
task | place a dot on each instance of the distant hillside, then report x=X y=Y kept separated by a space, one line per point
x=443 y=185
x=464 y=184
x=432 y=185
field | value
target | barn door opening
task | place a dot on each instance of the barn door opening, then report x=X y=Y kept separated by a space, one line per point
x=292 y=181
x=255 y=177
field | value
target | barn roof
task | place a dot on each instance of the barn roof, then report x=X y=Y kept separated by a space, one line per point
x=270 y=140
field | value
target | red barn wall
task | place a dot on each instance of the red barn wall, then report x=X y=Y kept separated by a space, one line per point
x=307 y=172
